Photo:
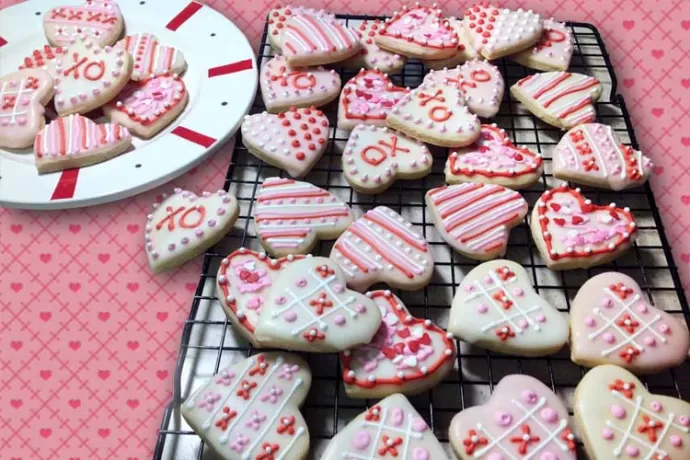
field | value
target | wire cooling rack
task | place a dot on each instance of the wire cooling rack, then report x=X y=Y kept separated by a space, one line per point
x=210 y=343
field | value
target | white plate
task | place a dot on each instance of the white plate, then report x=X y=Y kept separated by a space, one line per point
x=221 y=78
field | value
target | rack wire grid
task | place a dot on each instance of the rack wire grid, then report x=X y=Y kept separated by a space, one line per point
x=209 y=342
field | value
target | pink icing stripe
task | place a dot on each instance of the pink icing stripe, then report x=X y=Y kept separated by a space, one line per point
x=390 y=250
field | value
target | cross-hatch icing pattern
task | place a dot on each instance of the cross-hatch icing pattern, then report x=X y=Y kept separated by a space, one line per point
x=13 y=100
x=406 y=435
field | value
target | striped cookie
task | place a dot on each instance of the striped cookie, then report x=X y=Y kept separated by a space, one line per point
x=311 y=40
x=150 y=57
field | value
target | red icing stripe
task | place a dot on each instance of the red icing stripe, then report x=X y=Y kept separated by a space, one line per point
x=184 y=15
x=193 y=136
x=3 y=41
x=230 y=68
x=66 y=185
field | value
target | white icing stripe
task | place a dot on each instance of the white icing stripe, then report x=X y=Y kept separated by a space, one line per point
x=301 y=430
x=190 y=402
x=290 y=35
x=398 y=225
x=362 y=255
x=314 y=34
x=383 y=244
x=207 y=423
x=487 y=219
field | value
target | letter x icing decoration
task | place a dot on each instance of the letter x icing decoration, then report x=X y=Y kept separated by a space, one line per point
x=100 y=20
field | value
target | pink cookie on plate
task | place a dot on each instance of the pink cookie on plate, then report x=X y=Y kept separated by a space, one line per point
x=100 y=20
x=150 y=57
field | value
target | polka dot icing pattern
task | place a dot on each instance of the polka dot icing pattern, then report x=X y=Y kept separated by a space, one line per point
x=150 y=57
x=553 y=51
x=100 y=20
x=612 y=323
x=251 y=409
x=43 y=59
x=278 y=17
x=523 y=419
x=371 y=56
x=390 y=429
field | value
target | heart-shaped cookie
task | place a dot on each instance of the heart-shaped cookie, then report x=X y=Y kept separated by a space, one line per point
x=376 y=156
x=523 y=419
x=612 y=323
x=251 y=409
x=463 y=52
x=290 y=217
x=367 y=99
x=43 y=59
x=494 y=159
x=408 y=355
x=480 y=82
x=571 y=232
x=150 y=57
x=184 y=225
x=553 y=51
x=619 y=418
x=292 y=140
x=75 y=141
x=100 y=20
x=592 y=154
x=372 y=56
x=23 y=95
x=495 y=32
x=243 y=280
x=308 y=308
x=277 y=18
x=419 y=32
x=390 y=429
x=312 y=40
x=476 y=218
x=283 y=87
x=495 y=307
x=382 y=247
x=560 y=99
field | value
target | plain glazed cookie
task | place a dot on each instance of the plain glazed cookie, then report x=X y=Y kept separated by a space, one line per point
x=376 y=156
x=523 y=419
x=571 y=232
x=407 y=355
x=612 y=323
x=312 y=40
x=495 y=307
x=475 y=218
x=309 y=308
x=250 y=410
x=278 y=17
x=463 y=52
x=184 y=225
x=592 y=154
x=553 y=51
x=390 y=429
x=494 y=159
x=618 y=418
x=372 y=56
x=382 y=247
x=150 y=57
x=290 y=217
x=100 y=20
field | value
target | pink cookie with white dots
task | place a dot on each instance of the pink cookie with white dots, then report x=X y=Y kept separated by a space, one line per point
x=372 y=56
x=523 y=419
x=464 y=51
x=553 y=51
x=611 y=322
x=184 y=225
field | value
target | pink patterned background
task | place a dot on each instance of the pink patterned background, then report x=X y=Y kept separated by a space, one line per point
x=89 y=337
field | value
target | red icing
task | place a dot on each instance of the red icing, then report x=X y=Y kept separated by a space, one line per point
x=382 y=154
x=370 y=87
x=412 y=22
x=146 y=101
x=472 y=441
x=389 y=445
x=39 y=57
x=245 y=390
x=620 y=386
x=650 y=428
x=200 y=214
x=523 y=442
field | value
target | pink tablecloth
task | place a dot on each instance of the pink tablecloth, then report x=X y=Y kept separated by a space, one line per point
x=88 y=337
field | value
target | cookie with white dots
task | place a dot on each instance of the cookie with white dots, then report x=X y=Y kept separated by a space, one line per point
x=552 y=52
x=278 y=17
x=463 y=52
x=100 y=20
x=372 y=56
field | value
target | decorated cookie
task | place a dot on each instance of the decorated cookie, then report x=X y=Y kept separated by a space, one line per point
x=463 y=52
x=184 y=225
x=480 y=82
x=23 y=95
x=250 y=410
x=308 y=308
x=523 y=419
x=592 y=154
x=278 y=17
x=150 y=57
x=100 y=20
x=612 y=323
x=390 y=429
x=418 y=32
x=75 y=141
x=367 y=99
x=372 y=56
x=553 y=51
x=44 y=59
x=560 y=99
x=476 y=218
x=382 y=247
x=290 y=217
x=243 y=280
x=292 y=140
x=376 y=156
x=495 y=307
x=283 y=87
x=494 y=159
x=571 y=232
x=408 y=355
x=88 y=76
x=496 y=32
x=618 y=418
x=312 y=40
x=435 y=113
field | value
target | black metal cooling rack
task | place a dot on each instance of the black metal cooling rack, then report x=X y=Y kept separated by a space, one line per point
x=208 y=341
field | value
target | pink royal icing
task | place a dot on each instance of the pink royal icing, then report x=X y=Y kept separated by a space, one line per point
x=421 y=25
x=77 y=135
x=308 y=34
x=150 y=57
x=147 y=101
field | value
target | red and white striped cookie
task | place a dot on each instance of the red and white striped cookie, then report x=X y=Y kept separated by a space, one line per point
x=463 y=52
x=312 y=40
x=553 y=51
x=43 y=59
x=278 y=17
x=100 y=20
x=476 y=219
x=372 y=56
x=290 y=217
x=150 y=57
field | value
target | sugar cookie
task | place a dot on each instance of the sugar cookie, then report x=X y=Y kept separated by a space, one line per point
x=312 y=40
x=150 y=57
x=463 y=52
x=100 y=20
x=278 y=17
x=372 y=56
x=44 y=59
x=553 y=51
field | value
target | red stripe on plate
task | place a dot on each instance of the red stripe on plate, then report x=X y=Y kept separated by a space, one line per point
x=184 y=15
x=66 y=185
x=230 y=68
x=193 y=136
x=3 y=41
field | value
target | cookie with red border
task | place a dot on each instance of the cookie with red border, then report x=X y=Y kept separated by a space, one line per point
x=372 y=56
x=312 y=40
x=553 y=51
x=150 y=57
x=100 y=20
x=463 y=52
x=278 y=17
